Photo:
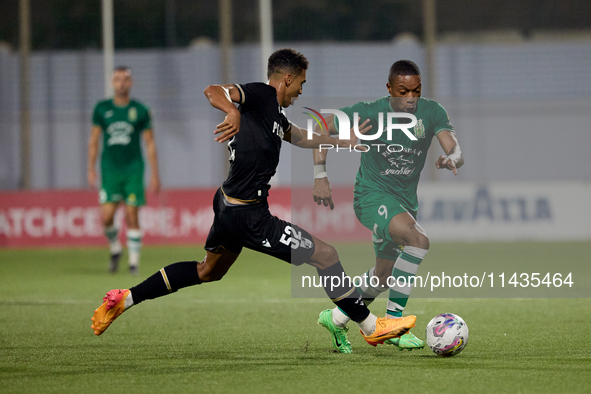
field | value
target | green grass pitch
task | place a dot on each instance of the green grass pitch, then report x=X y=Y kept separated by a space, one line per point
x=246 y=334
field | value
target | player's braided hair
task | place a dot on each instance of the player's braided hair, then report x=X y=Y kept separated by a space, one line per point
x=403 y=67
x=286 y=60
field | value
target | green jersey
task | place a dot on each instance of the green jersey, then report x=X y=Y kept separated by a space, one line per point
x=394 y=166
x=122 y=127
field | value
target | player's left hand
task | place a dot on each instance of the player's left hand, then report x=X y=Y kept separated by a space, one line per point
x=446 y=162
x=229 y=127
x=155 y=185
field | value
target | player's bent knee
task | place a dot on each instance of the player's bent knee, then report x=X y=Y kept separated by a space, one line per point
x=325 y=255
x=423 y=242
x=209 y=274
x=211 y=277
x=415 y=239
x=215 y=265
x=419 y=241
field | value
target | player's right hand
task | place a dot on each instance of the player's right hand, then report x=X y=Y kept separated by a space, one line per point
x=155 y=184
x=92 y=178
x=322 y=192
x=229 y=127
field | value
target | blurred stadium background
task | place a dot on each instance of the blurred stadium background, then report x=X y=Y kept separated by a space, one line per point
x=514 y=77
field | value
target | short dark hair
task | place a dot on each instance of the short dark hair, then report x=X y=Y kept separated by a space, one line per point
x=122 y=68
x=286 y=60
x=403 y=67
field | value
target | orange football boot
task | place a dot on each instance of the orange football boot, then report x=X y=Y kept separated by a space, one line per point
x=113 y=305
x=390 y=328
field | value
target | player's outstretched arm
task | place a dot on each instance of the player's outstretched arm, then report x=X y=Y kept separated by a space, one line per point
x=223 y=98
x=298 y=137
x=152 y=159
x=321 y=191
x=93 y=145
x=453 y=158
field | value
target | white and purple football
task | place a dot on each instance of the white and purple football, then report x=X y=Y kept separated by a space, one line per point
x=447 y=334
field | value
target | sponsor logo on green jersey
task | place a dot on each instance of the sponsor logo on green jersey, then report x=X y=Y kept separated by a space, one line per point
x=419 y=129
x=132 y=114
x=119 y=133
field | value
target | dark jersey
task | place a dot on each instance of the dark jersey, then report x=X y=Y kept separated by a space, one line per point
x=254 y=151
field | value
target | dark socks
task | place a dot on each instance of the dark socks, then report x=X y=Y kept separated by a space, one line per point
x=168 y=280
x=342 y=292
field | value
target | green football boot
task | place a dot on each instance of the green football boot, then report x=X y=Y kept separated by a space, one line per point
x=338 y=335
x=407 y=341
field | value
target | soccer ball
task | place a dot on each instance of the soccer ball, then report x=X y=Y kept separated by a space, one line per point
x=447 y=334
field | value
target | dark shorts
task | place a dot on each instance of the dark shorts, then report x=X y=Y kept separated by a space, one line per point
x=252 y=226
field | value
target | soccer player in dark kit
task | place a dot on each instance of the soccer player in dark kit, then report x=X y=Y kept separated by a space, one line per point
x=254 y=133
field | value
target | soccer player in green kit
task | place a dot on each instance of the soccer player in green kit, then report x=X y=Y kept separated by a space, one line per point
x=121 y=120
x=385 y=196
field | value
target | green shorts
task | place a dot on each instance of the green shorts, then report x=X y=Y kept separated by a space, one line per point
x=123 y=187
x=375 y=211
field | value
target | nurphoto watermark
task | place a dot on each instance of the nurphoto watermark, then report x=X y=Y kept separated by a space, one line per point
x=390 y=119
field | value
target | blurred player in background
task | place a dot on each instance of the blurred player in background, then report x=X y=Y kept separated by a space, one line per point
x=385 y=196
x=121 y=120
x=255 y=132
